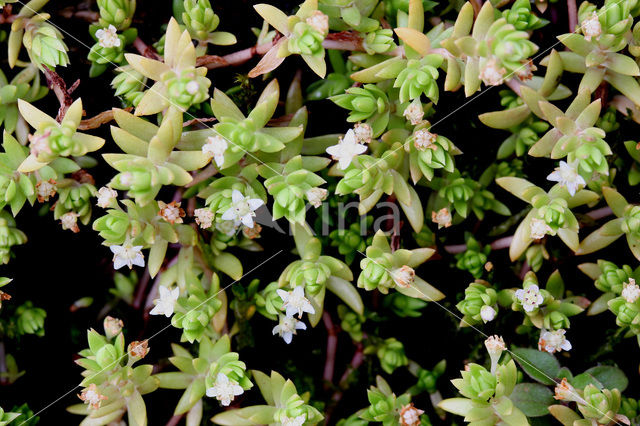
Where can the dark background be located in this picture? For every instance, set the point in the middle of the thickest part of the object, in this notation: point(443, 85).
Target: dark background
point(56, 267)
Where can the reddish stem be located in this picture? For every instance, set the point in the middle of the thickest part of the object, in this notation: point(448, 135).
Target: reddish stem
point(572, 11)
point(173, 421)
point(332, 346)
point(142, 287)
point(145, 50)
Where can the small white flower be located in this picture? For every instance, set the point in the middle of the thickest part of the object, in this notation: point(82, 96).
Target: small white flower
point(295, 302)
point(287, 327)
point(567, 176)
point(204, 217)
point(495, 345)
point(69, 221)
point(171, 212)
point(108, 37)
point(591, 27)
point(127, 254)
point(424, 139)
point(414, 112)
point(316, 196)
point(492, 74)
point(530, 297)
point(224, 390)
point(553, 341)
point(346, 150)
point(319, 21)
point(363, 132)
point(46, 189)
point(105, 196)
point(166, 302)
point(410, 415)
point(631, 291)
point(242, 209)
point(442, 218)
point(192, 87)
point(539, 228)
point(403, 276)
point(215, 148)
point(92, 396)
point(487, 313)
point(294, 421)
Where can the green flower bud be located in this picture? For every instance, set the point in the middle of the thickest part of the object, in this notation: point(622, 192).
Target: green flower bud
point(374, 275)
point(194, 313)
point(477, 383)
point(512, 168)
point(268, 302)
point(75, 196)
point(378, 41)
point(555, 321)
point(349, 241)
point(608, 121)
point(476, 296)
point(418, 77)
point(351, 322)
point(305, 40)
point(363, 102)
point(521, 18)
point(30, 320)
point(129, 84)
point(600, 405)
point(629, 407)
point(612, 278)
point(118, 13)
point(554, 213)
point(9, 236)
point(510, 46)
point(472, 261)
point(626, 313)
point(429, 152)
point(591, 157)
point(44, 45)
point(106, 55)
point(536, 255)
point(189, 88)
point(404, 306)
point(199, 18)
point(391, 355)
point(508, 99)
point(333, 84)
point(113, 226)
point(631, 223)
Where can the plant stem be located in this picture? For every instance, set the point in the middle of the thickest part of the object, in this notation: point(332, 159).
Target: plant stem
point(142, 287)
point(572, 11)
point(173, 421)
point(332, 345)
point(145, 50)
point(600, 213)
point(59, 87)
point(3, 364)
point(499, 244)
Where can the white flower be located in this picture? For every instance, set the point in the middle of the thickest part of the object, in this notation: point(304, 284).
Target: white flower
point(127, 254)
point(346, 150)
point(487, 313)
point(171, 212)
point(530, 297)
point(287, 327)
point(295, 302)
point(424, 139)
point(410, 415)
point(553, 341)
point(294, 421)
point(591, 27)
point(539, 228)
point(631, 291)
point(204, 217)
point(108, 37)
point(495, 345)
point(215, 148)
point(363, 132)
point(564, 391)
point(414, 112)
point(166, 302)
point(316, 196)
point(91, 396)
point(403, 276)
point(319, 21)
point(224, 390)
point(46, 189)
point(242, 209)
point(568, 177)
point(106, 196)
point(491, 74)
point(442, 218)
point(69, 221)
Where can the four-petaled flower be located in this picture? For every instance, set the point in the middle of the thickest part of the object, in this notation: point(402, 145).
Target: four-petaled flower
point(591, 27)
point(242, 209)
point(442, 218)
point(553, 341)
point(567, 176)
point(287, 327)
point(224, 390)
point(127, 254)
point(530, 297)
point(46, 189)
point(487, 313)
point(410, 415)
point(106, 196)
point(108, 37)
point(630, 291)
point(215, 148)
point(403, 276)
point(91, 396)
point(316, 196)
point(171, 212)
point(166, 302)
point(363, 132)
point(539, 228)
point(346, 150)
point(294, 302)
